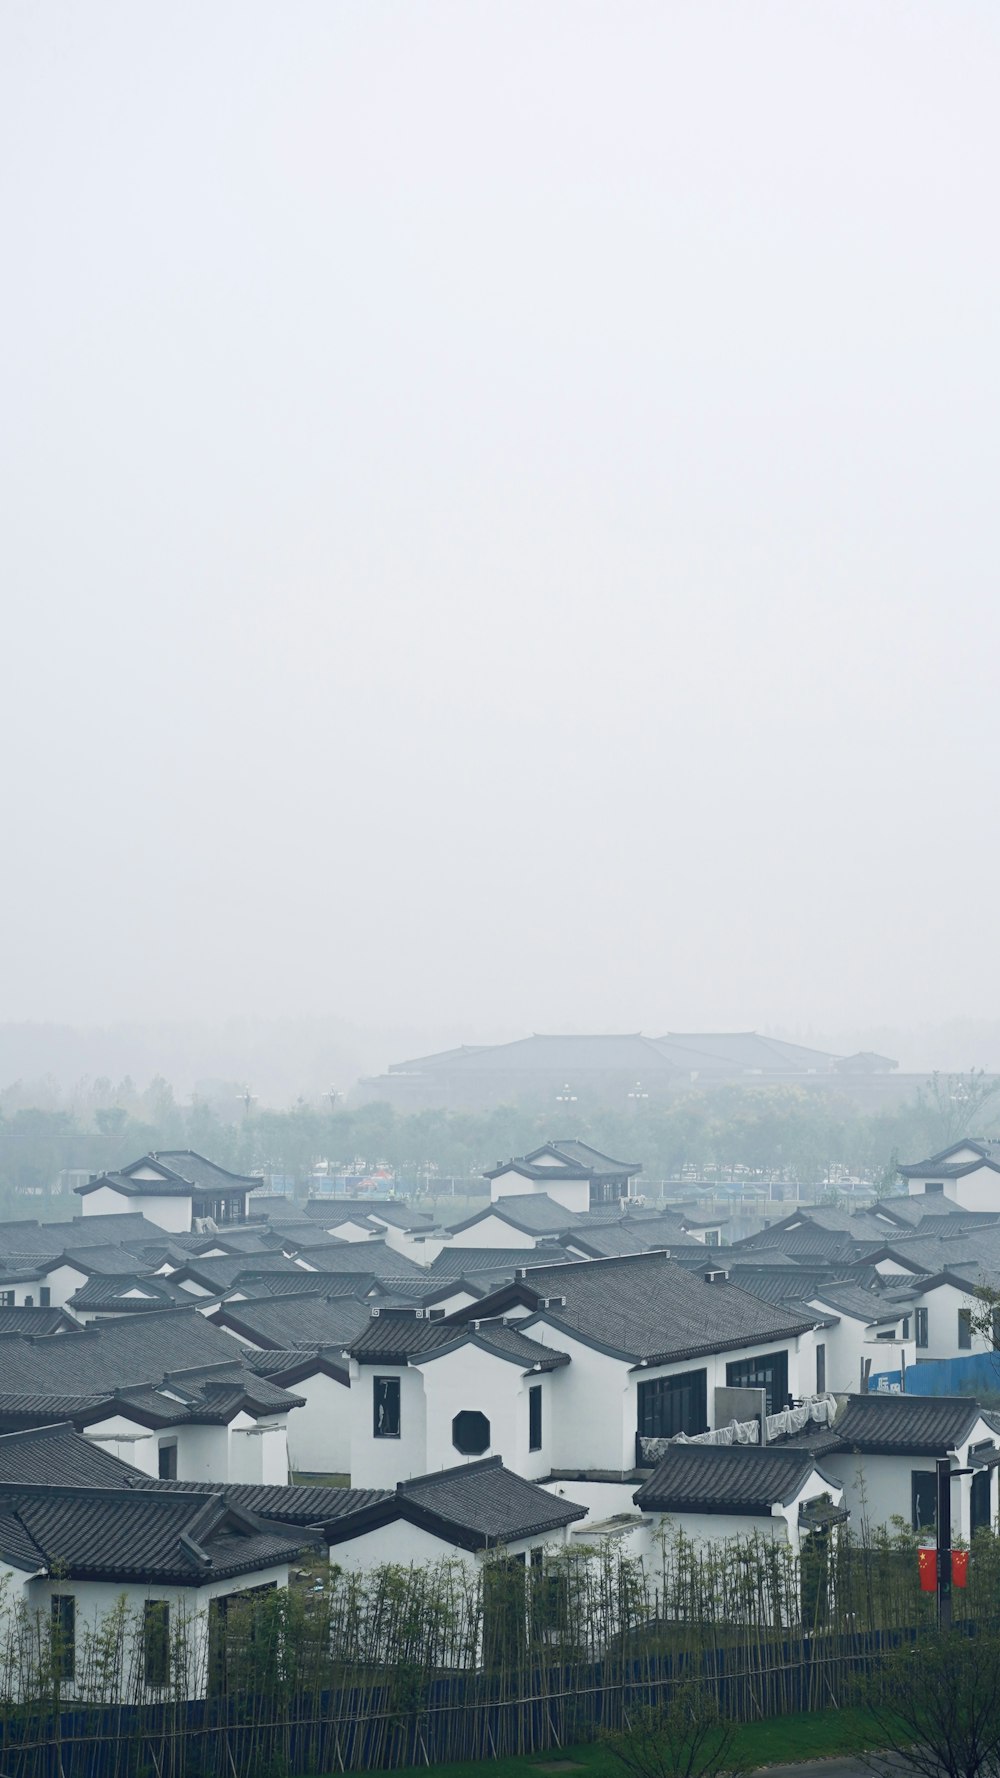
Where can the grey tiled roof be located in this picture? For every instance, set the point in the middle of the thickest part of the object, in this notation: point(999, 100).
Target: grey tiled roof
point(294, 1505)
point(206, 1175)
point(21, 1321)
point(296, 1321)
point(491, 1501)
point(451, 1262)
point(58, 1456)
point(80, 1231)
point(391, 1336)
point(475, 1506)
point(904, 1423)
point(180, 1535)
point(533, 1212)
point(649, 1307)
point(504, 1341)
point(136, 1293)
point(726, 1479)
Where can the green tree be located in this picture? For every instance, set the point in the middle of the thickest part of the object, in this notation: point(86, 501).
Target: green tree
point(936, 1707)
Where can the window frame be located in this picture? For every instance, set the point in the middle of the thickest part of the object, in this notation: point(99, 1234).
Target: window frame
point(921, 1329)
point(62, 1607)
point(923, 1482)
point(661, 1407)
point(535, 1422)
point(392, 1387)
point(156, 1642)
point(764, 1370)
point(965, 1330)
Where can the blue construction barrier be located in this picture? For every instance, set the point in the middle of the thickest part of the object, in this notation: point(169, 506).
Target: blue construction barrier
point(977, 1374)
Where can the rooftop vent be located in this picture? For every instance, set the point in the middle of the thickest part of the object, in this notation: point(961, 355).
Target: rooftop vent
point(716, 1277)
point(553, 1302)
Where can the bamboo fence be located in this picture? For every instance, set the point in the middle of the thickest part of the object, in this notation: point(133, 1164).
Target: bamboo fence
point(414, 1666)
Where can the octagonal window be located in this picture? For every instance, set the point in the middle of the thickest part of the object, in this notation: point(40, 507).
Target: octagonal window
point(470, 1433)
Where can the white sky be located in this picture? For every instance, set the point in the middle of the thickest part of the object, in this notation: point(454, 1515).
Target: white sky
point(499, 511)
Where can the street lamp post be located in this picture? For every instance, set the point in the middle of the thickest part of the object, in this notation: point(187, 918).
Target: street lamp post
point(945, 1476)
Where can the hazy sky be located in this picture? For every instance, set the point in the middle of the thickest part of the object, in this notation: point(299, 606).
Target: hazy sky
point(500, 511)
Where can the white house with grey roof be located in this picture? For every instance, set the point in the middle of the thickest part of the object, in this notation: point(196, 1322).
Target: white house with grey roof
point(884, 1448)
point(177, 1189)
point(966, 1172)
point(571, 1370)
point(571, 1173)
point(72, 1556)
point(708, 1493)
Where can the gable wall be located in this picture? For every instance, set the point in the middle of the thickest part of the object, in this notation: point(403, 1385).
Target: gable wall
point(172, 1214)
point(382, 1462)
point(319, 1434)
point(572, 1194)
point(492, 1231)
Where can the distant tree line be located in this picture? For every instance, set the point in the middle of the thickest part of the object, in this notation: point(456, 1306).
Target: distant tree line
point(774, 1133)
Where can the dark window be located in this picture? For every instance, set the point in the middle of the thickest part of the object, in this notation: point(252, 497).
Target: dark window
point(45, 1296)
point(820, 1370)
point(921, 1318)
point(385, 1400)
point(470, 1432)
point(167, 1461)
point(668, 1405)
point(965, 1330)
point(156, 1642)
point(535, 1417)
point(769, 1373)
point(63, 1635)
point(923, 1494)
point(906, 1327)
point(712, 1238)
point(6, 1299)
point(934, 1185)
point(995, 1329)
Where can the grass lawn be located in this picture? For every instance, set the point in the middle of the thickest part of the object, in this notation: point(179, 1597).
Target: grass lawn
point(817, 1734)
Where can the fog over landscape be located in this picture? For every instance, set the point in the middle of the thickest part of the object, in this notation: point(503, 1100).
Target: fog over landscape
point(498, 531)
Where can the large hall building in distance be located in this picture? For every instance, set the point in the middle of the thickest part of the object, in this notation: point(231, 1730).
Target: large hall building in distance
point(611, 1069)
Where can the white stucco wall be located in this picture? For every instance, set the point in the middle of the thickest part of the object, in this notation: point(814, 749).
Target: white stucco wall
point(572, 1194)
point(943, 1304)
point(595, 1406)
point(319, 1434)
point(382, 1462)
point(173, 1214)
point(470, 1380)
point(879, 1488)
point(408, 1545)
point(96, 1600)
point(63, 1282)
point(851, 1341)
point(258, 1450)
point(492, 1231)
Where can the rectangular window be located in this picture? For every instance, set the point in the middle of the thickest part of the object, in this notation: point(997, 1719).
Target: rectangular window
point(535, 1417)
point(45, 1296)
point(923, 1495)
point(6, 1299)
point(167, 1461)
point(965, 1330)
point(669, 1405)
point(156, 1642)
point(906, 1327)
point(385, 1405)
point(63, 1635)
point(820, 1370)
point(712, 1238)
point(769, 1373)
point(995, 1329)
point(921, 1318)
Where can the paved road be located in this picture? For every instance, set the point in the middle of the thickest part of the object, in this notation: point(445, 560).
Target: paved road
point(821, 1768)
